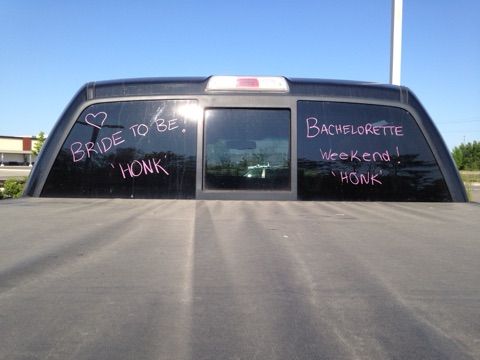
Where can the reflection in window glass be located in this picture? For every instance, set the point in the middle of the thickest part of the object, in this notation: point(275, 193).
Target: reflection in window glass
point(247, 149)
point(364, 152)
point(136, 149)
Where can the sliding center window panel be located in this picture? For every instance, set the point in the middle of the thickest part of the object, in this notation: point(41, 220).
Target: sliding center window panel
point(247, 149)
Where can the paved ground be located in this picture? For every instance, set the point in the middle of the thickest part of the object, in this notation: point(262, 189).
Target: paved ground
point(14, 171)
point(476, 193)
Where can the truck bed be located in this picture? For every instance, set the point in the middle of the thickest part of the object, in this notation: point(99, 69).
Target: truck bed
point(193, 279)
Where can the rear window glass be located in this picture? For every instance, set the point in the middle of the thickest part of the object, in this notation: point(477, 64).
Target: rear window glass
point(247, 149)
point(364, 152)
point(138, 149)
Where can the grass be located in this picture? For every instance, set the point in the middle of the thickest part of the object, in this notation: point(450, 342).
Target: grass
point(468, 178)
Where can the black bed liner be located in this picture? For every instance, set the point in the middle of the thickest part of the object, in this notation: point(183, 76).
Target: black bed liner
point(169, 279)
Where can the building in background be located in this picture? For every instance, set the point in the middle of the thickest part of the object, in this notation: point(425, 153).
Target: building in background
point(17, 150)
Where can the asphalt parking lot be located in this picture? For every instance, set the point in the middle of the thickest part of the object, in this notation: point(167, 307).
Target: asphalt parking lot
point(475, 193)
point(14, 171)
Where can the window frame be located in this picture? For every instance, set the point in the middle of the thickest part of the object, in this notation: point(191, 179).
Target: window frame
point(255, 102)
point(86, 98)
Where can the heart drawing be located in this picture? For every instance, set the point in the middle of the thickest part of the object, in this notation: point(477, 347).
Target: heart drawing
point(96, 120)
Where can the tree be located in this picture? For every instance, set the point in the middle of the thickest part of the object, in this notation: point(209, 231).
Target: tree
point(13, 188)
point(39, 143)
point(467, 156)
point(457, 155)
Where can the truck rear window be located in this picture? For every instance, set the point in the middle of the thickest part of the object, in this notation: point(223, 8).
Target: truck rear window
point(364, 152)
point(133, 149)
point(148, 149)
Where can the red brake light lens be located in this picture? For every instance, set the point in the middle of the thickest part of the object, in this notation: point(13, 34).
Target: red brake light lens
point(247, 83)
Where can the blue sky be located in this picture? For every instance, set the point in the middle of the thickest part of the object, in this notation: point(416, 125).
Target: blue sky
point(51, 48)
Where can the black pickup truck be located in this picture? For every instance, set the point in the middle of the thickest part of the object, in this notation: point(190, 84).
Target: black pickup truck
point(241, 218)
